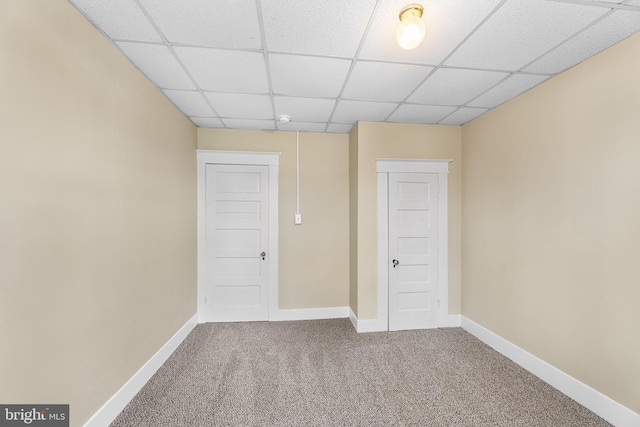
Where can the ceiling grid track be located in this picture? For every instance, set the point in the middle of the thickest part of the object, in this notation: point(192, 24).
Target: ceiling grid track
point(238, 64)
point(520, 71)
point(265, 53)
point(621, 6)
point(570, 38)
point(467, 37)
point(170, 47)
point(353, 63)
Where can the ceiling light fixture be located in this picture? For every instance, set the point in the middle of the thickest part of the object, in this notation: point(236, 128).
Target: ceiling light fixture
point(411, 30)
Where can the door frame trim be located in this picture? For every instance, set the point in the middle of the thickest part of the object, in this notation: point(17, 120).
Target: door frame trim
point(270, 159)
point(383, 168)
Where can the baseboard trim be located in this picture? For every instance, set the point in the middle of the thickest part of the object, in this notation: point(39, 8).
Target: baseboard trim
point(375, 325)
point(366, 325)
point(453, 321)
point(312, 313)
point(598, 403)
point(353, 318)
point(110, 410)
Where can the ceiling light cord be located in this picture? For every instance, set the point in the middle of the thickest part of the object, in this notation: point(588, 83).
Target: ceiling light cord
point(297, 172)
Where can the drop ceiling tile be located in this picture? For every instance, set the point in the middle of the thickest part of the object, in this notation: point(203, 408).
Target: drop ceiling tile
point(249, 124)
point(158, 64)
point(339, 128)
point(207, 122)
point(119, 19)
point(304, 109)
point(447, 23)
point(190, 103)
point(353, 111)
point(301, 126)
point(520, 31)
point(225, 70)
point(220, 23)
point(610, 30)
point(241, 105)
point(463, 115)
point(307, 76)
point(328, 27)
point(504, 91)
point(384, 82)
point(428, 114)
point(451, 86)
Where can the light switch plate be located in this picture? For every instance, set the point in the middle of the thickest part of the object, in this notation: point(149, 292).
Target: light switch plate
point(297, 219)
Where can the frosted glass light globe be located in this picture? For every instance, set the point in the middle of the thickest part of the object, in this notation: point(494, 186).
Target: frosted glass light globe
point(411, 31)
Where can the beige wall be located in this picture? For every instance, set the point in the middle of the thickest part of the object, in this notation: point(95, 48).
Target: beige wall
point(98, 217)
point(390, 140)
point(314, 256)
point(98, 212)
point(551, 224)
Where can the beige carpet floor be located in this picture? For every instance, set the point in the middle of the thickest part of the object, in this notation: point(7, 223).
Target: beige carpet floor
point(323, 373)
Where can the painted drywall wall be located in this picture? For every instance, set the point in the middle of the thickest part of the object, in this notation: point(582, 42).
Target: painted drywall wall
point(391, 140)
point(314, 256)
point(353, 220)
point(551, 222)
point(98, 212)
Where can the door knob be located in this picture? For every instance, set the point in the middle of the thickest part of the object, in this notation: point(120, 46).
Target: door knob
point(395, 262)
point(263, 254)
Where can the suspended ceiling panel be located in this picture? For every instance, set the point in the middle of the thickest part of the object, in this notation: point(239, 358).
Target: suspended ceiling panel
point(308, 76)
point(240, 63)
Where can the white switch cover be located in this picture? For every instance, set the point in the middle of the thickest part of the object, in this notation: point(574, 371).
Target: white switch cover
point(298, 219)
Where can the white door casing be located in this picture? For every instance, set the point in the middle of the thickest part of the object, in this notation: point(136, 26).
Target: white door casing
point(237, 239)
point(413, 244)
point(237, 213)
point(384, 168)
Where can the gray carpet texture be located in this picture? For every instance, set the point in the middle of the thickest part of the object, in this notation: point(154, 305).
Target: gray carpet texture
point(323, 373)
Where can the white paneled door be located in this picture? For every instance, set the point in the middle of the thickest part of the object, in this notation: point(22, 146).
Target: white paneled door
point(413, 251)
point(237, 242)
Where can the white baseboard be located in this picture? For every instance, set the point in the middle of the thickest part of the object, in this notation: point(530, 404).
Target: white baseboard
point(366, 325)
point(312, 313)
point(353, 318)
point(453, 321)
point(110, 410)
point(598, 403)
point(375, 325)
